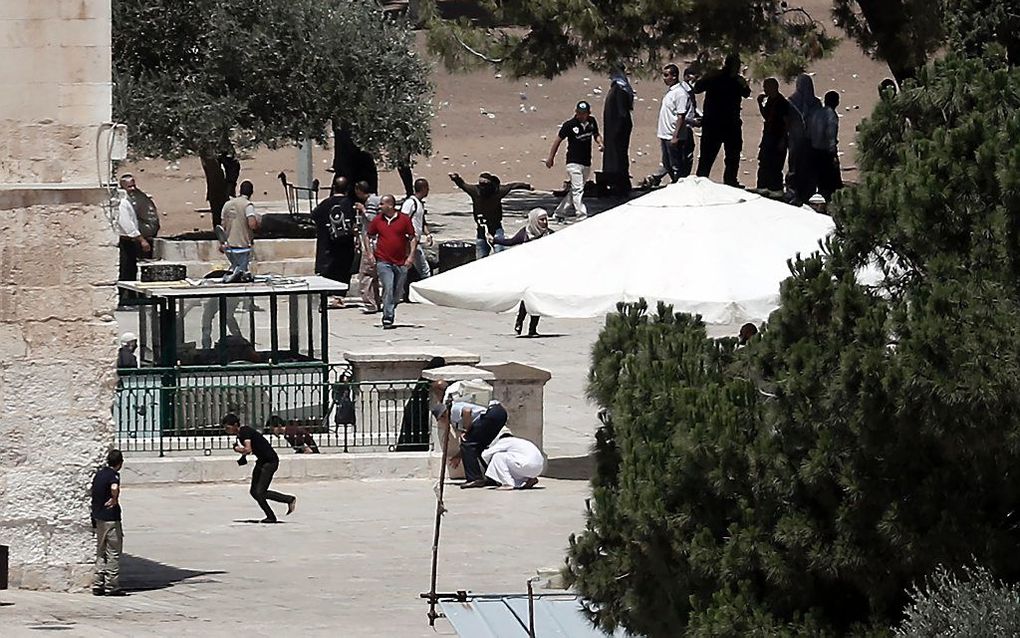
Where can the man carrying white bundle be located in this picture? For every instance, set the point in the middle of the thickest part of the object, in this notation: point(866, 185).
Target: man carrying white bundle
point(513, 462)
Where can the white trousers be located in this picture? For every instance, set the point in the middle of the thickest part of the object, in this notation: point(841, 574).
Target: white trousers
point(510, 472)
point(574, 199)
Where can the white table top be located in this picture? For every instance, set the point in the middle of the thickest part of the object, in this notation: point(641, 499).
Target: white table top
point(213, 288)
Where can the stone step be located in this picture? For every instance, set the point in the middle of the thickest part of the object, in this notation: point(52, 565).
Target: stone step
point(181, 468)
point(288, 267)
point(267, 250)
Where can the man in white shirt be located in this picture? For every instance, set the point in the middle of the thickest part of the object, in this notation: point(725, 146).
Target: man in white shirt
point(414, 207)
point(132, 245)
point(513, 462)
point(676, 139)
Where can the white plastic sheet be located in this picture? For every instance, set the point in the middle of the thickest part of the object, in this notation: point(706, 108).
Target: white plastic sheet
point(703, 247)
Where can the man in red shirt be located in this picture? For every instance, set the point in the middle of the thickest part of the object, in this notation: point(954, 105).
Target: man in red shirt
point(395, 243)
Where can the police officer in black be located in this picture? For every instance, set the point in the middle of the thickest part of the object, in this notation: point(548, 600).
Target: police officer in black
point(724, 90)
point(336, 234)
point(251, 441)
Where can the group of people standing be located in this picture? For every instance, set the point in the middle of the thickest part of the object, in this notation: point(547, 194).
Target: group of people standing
point(390, 241)
point(801, 130)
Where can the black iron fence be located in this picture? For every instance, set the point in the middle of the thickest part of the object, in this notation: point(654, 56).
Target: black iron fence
point(305, 406)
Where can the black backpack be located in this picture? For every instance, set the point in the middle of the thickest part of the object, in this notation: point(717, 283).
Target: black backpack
point(342, 221)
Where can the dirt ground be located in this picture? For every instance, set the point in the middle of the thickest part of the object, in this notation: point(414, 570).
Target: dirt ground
point(485, 122)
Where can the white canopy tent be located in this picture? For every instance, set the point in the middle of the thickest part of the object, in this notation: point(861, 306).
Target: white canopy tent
point(705, 248)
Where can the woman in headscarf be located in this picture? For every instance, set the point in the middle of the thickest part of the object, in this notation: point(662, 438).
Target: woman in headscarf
point(537, 227)
point(805, 103)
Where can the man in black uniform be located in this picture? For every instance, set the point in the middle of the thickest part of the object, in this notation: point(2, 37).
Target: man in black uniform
point(579, 132)
point(336, 234)
point(720, 125)
point(250, 441)
point(106, 521)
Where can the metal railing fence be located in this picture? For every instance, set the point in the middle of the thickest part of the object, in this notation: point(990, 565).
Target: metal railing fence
point(164, 410)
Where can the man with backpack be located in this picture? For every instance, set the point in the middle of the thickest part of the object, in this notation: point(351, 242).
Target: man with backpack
point(336, 231)
point(414, 207)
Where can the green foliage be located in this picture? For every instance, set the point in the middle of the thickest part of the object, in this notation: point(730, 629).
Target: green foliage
point(556, 35)
point(798, 486)
point(977, 606)
point(903, 33)
point(210, 76)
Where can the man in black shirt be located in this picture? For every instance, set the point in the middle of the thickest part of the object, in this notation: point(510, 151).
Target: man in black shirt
point(336, 234)
point(250, 441)
point(106, 521)
point(487, 208)
point(720, 126)
point(579, 132)
point(775, 110)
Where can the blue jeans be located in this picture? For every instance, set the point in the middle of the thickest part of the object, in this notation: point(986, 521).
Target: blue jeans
point(239, 258)
point(392, 279)
point(482, 248)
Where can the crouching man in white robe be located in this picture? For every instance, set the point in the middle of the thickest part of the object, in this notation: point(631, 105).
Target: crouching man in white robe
point(513, 462)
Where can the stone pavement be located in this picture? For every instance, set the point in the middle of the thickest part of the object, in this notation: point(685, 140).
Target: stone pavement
point(349, 563)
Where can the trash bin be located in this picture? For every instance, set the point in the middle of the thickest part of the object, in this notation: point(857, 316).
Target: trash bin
point(455, 253)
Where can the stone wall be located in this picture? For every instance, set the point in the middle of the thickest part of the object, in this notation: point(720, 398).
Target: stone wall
point(57, 348)
point(55, 89)
point(58, 264)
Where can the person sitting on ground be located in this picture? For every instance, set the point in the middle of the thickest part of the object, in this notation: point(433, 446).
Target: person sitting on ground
point(487, 208)
point(513, 463)
point(299, 438)
point(537, 227)
point(126, 355)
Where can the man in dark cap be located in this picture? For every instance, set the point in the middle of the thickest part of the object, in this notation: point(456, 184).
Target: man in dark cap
point(579, 131)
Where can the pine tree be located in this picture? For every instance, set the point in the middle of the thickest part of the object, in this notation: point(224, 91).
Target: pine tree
point(801, 485)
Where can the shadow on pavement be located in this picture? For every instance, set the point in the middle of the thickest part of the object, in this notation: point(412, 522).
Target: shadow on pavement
point(142, 574)
point(571, 468)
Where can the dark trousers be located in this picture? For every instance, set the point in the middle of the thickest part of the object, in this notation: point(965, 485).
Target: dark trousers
point(826, 166)
point(522, 312)
point(261, 477)
point(728, 137)
point(771, 159)
point(129, 254)
point(482, 434)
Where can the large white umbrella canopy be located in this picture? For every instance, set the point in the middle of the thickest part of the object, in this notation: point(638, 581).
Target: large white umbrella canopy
point(703, 247)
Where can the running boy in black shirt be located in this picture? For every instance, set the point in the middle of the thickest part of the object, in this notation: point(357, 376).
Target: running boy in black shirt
point(250, 441)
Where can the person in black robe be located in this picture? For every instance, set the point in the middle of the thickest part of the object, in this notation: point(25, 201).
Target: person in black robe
point(618, 126)
point(414, 427)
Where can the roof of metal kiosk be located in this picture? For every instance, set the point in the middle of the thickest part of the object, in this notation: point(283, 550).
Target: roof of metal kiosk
point(214, 288)
point(506, 616)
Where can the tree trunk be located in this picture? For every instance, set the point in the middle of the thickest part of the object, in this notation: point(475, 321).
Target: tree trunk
point(216, 189)
point(891, 28)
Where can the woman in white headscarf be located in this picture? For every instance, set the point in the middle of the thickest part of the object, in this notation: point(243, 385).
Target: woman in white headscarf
point(537, 227)
point(806, 103)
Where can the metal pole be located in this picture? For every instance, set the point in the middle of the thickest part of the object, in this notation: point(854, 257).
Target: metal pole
point(440, 509)
point(304, 164)
point(531, 608)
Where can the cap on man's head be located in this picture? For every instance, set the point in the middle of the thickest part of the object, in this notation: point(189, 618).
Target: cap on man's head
point(584, 106)
point(127, 338)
